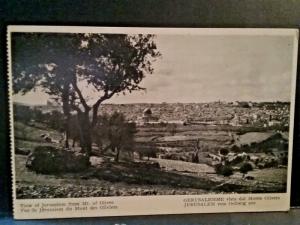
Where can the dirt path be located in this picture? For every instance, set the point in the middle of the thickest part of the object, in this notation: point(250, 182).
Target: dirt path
point(181, 166)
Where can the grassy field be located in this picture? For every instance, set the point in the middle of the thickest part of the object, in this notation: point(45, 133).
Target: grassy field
point(116, 180)
point(32, 133)
point(256, 137)
point(184, 167)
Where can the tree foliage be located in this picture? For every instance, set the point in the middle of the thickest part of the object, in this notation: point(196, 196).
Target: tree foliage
point(60, 64)
point(246, 167)
point(110, 63)
point(224, 170)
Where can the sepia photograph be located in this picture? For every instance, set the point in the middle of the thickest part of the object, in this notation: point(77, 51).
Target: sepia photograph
point(151, 112)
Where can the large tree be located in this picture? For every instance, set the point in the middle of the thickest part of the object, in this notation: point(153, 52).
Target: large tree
point(46, 61)
point(61, 64)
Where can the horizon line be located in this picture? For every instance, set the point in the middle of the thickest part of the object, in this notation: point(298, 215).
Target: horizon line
point(217, 101)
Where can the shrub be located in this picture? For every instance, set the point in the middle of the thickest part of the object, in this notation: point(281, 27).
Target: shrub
point(171, 128)
point(224, 170)
point(267, 150)
point(284, 160)
point(235, 148)
point(224, 151)
point(246, 167)
point(271, 163)
point(150, 151)
point(50, 160)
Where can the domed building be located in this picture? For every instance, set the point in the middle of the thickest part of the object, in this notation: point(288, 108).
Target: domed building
point(148, 117)
point(147, 112)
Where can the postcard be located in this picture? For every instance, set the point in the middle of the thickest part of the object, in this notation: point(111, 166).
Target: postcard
point(113, 121)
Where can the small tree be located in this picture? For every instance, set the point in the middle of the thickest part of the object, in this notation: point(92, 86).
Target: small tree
point(22, 132)
point(101, 132)
point(38, 116)
point(22, 113)
point(245, 168)
point(149, 151)
point(235, 149)
point(224, 170)
point(56, 120)
point(74, 129)
point(171, 128)
point(118, 132)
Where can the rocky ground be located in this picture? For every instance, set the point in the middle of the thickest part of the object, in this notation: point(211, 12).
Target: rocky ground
point(74, 191)
point(119, 180)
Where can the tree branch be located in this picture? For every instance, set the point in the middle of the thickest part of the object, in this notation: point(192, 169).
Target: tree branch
point(75, 107)
point(97, 104)
point(81, 98)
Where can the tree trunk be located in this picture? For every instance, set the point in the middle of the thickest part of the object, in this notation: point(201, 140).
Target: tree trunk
point(85, 131)
point(67, 140)
point(74, 140)
point(66, 111)
point(117, 154)
point(67, 131)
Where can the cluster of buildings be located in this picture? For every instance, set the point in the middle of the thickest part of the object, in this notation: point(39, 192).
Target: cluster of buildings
point(268, 114)
point(215, 113)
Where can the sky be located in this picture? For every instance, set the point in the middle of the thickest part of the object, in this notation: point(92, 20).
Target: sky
point(197, 68)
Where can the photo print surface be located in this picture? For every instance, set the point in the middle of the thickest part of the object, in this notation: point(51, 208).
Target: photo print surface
point(137, 121)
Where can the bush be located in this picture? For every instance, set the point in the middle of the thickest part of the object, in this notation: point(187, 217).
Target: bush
point(235, 149)
point(271, 163)
point(245, 168)
point(284, 160)
point(50, 160)
point(171, 128)
point(224, 151)
point(267, 151)
point(144, 151)
point(224, 170)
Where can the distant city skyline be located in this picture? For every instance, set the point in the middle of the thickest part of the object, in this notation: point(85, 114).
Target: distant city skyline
point(195, 69)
